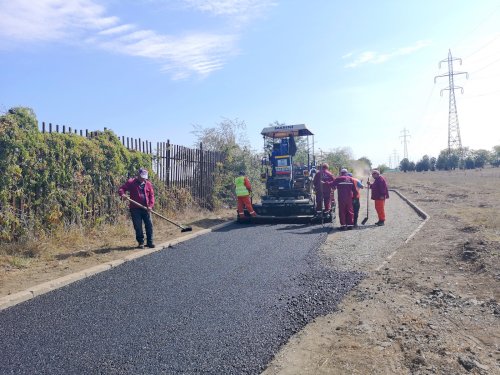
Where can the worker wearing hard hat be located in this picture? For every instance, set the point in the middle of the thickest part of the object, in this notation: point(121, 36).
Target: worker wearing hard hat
point(243, 191)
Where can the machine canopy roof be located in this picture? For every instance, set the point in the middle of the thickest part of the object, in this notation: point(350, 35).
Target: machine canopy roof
point(282, 131)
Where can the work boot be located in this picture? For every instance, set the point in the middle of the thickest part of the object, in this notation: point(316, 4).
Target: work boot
point(380, 223)
point(151, 245)
point(140, 245)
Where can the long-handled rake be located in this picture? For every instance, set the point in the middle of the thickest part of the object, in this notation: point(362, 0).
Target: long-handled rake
point(367, 200)
point(183, 228)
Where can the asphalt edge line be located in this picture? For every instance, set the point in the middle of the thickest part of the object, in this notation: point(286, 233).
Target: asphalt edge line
point(48, 286)
point(420, 213)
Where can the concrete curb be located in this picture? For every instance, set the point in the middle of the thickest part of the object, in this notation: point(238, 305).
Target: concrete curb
point(420, 213)
point(37, 290)
point(418, 210)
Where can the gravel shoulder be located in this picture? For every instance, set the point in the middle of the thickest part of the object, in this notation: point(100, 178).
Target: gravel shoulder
point(433, 307)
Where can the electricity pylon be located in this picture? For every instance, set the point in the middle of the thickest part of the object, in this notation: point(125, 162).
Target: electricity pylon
point(406, 134)
point(454, 140)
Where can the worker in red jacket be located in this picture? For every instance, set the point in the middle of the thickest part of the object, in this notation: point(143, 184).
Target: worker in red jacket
point(322, 185)
point(346, 190)
point(380, 193)
point(243, 191)
point(140, 190)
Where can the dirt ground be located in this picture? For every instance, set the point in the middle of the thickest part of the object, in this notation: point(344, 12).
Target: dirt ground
point(433, 308)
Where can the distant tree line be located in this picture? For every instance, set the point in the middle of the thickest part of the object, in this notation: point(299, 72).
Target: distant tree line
point(450, 160)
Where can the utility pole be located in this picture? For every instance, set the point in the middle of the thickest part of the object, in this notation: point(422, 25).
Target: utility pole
point(395, 158)
point(406, 134)
point(390, 161)
point(454, 140)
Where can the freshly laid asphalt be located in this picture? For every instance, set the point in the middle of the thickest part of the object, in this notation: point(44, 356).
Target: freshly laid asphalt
point(222, 303)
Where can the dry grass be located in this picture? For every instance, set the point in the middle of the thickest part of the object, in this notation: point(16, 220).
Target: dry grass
point(105, 238)
point(472, 197)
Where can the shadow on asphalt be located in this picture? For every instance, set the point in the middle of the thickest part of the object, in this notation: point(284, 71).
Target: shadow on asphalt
point(315, 228)
point(87, 253)
point(206, 223)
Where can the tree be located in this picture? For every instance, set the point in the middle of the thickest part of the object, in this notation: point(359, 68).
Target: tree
point(337, 158)
point(495, 156)
point(365, 160)
point(404, 165)
point(382, 168)
point(230, 138)
point(469, 163)
point(432, 162)
point(302, 151)
point(481, 157)
point(424, 164)
point(447, 160)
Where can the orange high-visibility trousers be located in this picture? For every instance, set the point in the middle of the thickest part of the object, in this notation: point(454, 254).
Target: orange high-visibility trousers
point(245, 202)
point(379, 207)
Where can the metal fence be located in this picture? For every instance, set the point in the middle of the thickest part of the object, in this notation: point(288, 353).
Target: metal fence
point(177, 166)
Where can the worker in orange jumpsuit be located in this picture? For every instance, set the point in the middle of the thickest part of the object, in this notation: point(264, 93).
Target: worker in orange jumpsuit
point(243, 191)
point(380, 193)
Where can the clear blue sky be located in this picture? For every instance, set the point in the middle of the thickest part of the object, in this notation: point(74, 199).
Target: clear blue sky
point(357, 72)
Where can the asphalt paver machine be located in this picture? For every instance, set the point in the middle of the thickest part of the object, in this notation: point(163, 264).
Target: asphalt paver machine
point(287, 175)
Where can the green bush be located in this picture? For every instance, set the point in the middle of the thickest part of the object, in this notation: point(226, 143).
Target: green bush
point(51, 181)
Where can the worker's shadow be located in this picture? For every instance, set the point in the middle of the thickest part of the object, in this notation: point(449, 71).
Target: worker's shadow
point(366, 226)
point(88, 253)
point(313, 228)
point(110, 249)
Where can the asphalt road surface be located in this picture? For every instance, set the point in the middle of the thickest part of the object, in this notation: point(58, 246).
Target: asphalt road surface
point(222, 303)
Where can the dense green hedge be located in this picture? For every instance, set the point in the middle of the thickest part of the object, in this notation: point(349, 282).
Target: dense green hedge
point(52, 180)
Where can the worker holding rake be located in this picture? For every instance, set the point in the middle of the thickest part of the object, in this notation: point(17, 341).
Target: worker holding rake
point(379, 194)
point(141, 191)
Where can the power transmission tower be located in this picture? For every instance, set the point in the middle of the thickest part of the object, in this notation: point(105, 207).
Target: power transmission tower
point(454, 140)
point(406, 134)
point(395, 158)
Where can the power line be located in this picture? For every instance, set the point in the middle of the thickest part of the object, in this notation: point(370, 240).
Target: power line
point(469, 33)
point(483, 46)
point(487, 65)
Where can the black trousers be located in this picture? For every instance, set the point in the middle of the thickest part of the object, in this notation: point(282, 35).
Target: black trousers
point(356, 205)
point(140, 215)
